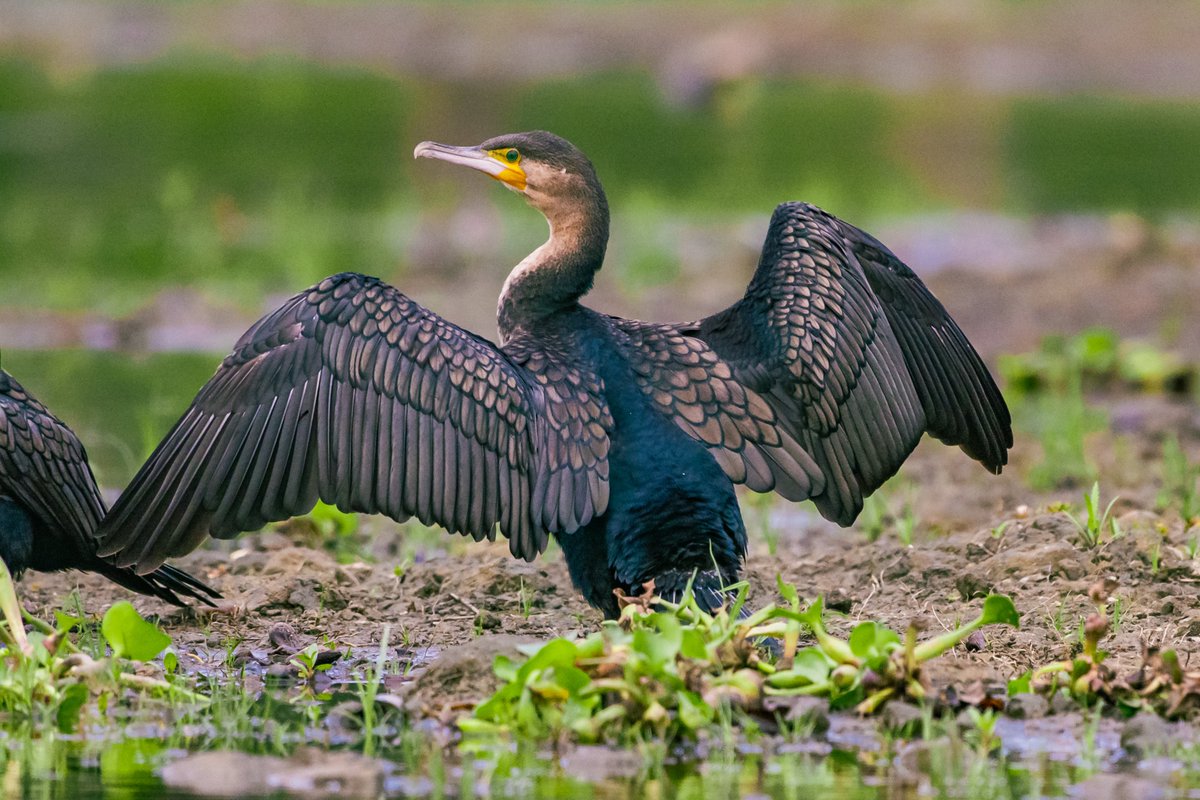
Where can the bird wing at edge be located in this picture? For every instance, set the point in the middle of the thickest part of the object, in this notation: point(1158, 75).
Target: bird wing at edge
point(354, 394)
point(851, 356)
point(45, 468)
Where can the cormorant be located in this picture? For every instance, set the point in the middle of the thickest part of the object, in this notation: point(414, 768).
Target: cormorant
point(620, 438)
point(50, 507)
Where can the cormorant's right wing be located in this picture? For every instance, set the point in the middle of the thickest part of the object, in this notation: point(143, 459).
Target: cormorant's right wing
point(353, 393)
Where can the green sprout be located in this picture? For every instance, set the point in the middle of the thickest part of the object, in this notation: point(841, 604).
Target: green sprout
point(1091, 529)
point(307, 663)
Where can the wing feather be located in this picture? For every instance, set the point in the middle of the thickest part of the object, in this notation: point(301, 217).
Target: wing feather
point(44, 469)
point(840, 356)
point(354, 394)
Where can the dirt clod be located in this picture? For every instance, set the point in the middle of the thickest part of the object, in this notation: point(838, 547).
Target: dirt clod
point(1027, 706)
point(460, 676)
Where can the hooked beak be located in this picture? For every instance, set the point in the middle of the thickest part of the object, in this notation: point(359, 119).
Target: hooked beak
point(509, 174)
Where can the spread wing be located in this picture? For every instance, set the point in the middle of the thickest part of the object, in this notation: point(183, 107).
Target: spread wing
point(839, 348)
point(354, 394)
point(44, 467)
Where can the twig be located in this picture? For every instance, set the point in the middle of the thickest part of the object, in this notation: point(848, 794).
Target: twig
point(473, 609)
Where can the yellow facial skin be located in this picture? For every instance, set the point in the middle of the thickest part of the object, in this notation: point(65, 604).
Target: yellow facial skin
point(512, 174)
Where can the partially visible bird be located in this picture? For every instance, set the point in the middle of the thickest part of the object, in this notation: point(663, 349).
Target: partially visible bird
point(50, 507)
point(620, 438)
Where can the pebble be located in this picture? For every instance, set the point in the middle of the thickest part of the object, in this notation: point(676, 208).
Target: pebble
point(1027, 706)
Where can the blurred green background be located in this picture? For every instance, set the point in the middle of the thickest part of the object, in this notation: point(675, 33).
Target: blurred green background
point(170, 171)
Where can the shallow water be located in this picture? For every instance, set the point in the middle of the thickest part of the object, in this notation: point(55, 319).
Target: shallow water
point(130, 768)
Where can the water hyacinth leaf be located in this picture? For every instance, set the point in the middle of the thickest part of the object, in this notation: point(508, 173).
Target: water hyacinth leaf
point(528, 719)
point(872, 642)
point(662, 646)
point(694, 713)
point(504, 668)
point(691, 645)
point(66, 718)
point(591, 647)
point(998, 609)
point(129, 635)
point(573, 679)
point(556, 652)
point(812, 664)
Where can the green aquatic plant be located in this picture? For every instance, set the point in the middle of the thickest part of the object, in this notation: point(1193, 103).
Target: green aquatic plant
point(46, 679)
point(668, 671)
point(1160, 684)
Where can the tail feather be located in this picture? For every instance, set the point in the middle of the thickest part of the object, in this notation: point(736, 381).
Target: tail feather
point(708, 587)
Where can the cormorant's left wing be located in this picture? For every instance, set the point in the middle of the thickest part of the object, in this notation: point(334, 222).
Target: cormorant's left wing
point(850, 354)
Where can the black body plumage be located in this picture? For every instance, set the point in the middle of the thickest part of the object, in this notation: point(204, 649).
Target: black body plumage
point(622, 439)
point(50, 507)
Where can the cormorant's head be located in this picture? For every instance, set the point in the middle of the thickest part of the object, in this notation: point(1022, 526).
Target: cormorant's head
point(549, 171)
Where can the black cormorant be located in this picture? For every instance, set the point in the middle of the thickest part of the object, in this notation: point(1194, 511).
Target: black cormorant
point(50, 508)
point(620, 438)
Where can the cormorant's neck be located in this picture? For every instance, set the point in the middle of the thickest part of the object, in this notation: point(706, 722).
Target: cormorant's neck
point(558, 273)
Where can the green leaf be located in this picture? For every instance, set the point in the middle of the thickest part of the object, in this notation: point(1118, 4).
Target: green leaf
point(999, 609)
point(871, 641)
point(70, 706)
point(130, 636)
point(504, 667)
point(556, 652)
point(812, 664)
point(659, 648)
point(573, 679)
point(170, 662)
point(788, 591)
point(694, 713)
point(692, 645)
point(476, 726)
point(65, 623)
point(1022, 684)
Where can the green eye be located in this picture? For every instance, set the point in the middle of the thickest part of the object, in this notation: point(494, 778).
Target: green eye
point(511, 156)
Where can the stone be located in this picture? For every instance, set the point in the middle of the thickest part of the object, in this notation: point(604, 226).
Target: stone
point(1147, 734)
point(1027, 706)
point(901, 718)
